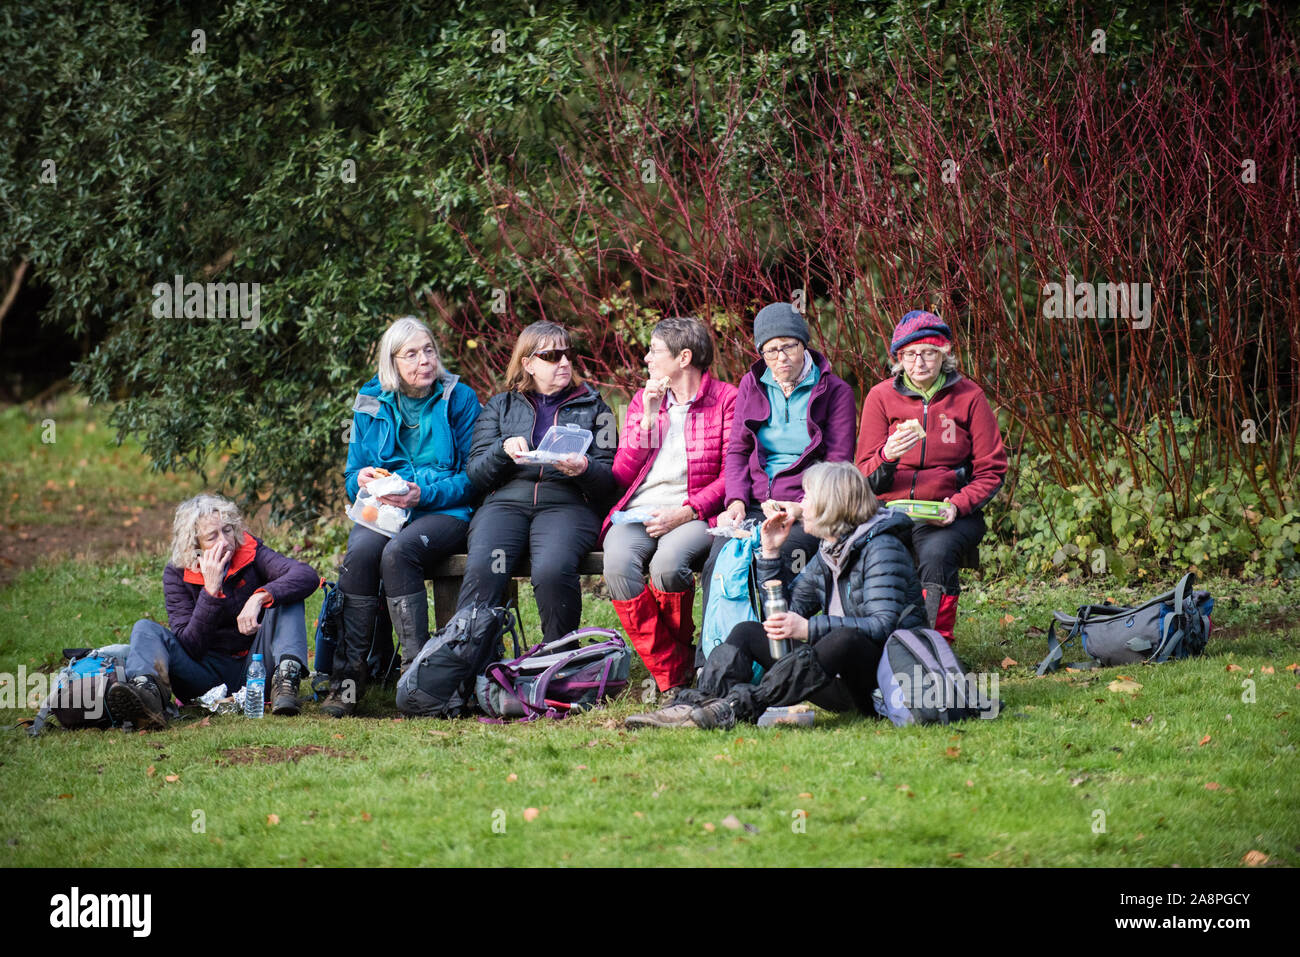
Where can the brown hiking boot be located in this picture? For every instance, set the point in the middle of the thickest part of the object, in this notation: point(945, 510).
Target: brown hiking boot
point(341, 702)
point(284, 688)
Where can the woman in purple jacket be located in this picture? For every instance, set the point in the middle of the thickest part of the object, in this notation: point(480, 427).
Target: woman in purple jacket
point(669, 468)
point(792, 411)
point(228, 596)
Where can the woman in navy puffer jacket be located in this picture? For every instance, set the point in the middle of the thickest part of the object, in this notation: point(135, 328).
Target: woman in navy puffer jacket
point(862, 581)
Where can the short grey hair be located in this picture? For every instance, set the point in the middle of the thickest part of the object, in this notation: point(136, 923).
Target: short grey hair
point(948, 365)
point(397, 335)
point(185, 528)
point(843, 500)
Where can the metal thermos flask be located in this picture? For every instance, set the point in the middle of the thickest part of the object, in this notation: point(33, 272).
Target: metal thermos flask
point(774, 604)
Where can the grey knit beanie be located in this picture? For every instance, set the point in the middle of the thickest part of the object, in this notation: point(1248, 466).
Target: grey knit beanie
point(778, 320)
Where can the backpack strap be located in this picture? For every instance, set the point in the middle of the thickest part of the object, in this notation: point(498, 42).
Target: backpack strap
point(1171, 638)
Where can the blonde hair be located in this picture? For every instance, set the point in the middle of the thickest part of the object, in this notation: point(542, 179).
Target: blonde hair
point(395, 336)
point(185, 527)
point(842, 498)
point(517, 378)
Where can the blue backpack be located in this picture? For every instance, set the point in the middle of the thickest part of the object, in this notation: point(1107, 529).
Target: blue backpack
point(732, 594)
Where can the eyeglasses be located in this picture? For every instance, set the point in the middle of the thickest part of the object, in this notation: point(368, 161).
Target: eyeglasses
point(929, 355)
point(771, 352)
point(413, 355)
point(554, 356)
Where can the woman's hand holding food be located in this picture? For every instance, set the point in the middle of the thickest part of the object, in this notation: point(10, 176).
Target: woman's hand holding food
point(772, 507)
point(651, 398)
point(515, 446)
point(903, 438)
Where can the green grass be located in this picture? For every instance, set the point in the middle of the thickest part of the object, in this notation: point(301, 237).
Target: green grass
point(63, 466)
point(1023, 790)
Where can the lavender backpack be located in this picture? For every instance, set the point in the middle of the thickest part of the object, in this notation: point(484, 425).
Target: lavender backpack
point(555, 678)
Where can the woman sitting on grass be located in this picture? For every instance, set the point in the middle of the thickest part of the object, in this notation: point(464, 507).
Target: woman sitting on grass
point(228, 597)
point(863, 583)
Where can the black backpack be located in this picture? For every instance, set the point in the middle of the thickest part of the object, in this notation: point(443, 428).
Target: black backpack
point(1173, 625)
point(440, 682)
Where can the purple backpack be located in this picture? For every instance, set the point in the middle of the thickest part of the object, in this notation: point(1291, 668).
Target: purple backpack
point(555, 678)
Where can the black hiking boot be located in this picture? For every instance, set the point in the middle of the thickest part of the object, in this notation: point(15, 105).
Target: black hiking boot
point(139, 701)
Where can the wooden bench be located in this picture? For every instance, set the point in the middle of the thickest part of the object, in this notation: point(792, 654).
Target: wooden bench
point(449, 574)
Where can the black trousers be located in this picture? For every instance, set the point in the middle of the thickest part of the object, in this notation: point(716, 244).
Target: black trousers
point(555, 537)
point(938, 550)
point(838, 672)
point(404, 561)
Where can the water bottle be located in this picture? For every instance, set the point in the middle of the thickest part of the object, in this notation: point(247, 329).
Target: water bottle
point(774, 604)
point(255, 689)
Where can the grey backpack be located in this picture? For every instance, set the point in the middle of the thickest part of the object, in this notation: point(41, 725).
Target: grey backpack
point(1173, 625)
point(921, 681)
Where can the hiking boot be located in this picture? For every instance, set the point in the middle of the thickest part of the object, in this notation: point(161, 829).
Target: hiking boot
point(673, 716)
point(341, 702)
point(715, 714)
point(284, 687)
point(138, 701)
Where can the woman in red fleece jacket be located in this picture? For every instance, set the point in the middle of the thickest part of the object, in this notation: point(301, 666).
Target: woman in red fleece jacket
point(960, 460)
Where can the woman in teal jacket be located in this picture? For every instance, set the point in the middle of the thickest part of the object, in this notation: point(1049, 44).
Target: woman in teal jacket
point(416, 420)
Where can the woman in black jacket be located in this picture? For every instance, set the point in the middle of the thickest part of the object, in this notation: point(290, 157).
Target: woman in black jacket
point(552, 512)
point(863, 582)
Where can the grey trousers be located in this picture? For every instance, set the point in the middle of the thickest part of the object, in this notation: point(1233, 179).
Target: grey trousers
point(672, 558)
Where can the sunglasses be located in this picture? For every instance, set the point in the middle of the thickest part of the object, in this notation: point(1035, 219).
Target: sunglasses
point(555, 355)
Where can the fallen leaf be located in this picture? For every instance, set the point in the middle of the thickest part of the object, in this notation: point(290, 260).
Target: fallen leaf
point(1254, 858)
point(1266, 669)
point(731, 823)
point(637, 814)
point(273, 819)
point(970, 783)
point(1006, 619)
point(512, 776)
point(441, 734)
point(172, 778)
point(1033, 631)
point(530, 813)
point(1008, 662)
point(339, 736)
point(149, 772)
point(64, 797)
point(708, 826)
point(952, 752)
point(958, 854)
point(1075, 782)
point(365, 815)
point(1213, 786)
point(1205, 740)
point(579, 767)
point(1124, 686)
point(805, 794)
point(1294, 666)
point(1233, 668)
